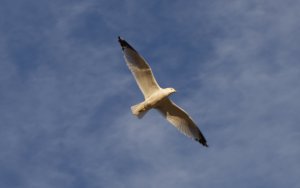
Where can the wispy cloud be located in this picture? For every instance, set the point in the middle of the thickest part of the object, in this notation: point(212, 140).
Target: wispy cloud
point(66, 92)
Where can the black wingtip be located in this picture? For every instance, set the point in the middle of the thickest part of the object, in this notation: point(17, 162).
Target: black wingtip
point(120, 39)
point(203, 142)
point(124, 44)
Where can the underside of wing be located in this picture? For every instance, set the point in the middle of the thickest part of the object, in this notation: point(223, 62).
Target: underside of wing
point(181, 120)
point(140, 69)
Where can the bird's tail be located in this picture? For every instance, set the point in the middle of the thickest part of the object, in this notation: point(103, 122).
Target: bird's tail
point(139, 110)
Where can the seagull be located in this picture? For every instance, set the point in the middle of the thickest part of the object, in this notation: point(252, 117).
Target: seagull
point(157, 97)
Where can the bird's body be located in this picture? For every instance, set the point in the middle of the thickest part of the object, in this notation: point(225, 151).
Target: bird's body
point(152, 101)
point(157, 97)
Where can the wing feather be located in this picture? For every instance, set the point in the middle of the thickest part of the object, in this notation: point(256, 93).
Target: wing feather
point(140, 69)
point(181, 120)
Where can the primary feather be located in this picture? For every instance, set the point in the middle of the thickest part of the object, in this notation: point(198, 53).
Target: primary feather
point(181, 120)
point(140, 69)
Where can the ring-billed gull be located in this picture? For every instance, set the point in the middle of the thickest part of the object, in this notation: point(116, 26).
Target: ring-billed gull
point(157, 97)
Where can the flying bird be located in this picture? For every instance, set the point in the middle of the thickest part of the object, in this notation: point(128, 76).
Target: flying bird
point(157, 97)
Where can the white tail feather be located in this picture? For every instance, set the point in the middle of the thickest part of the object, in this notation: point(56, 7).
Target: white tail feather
point(139, 110)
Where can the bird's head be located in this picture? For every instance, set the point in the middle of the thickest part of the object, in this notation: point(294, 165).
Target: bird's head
point(170, 90)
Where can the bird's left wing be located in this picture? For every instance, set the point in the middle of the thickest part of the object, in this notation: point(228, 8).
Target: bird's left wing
point(140, 69)
point(181, 120)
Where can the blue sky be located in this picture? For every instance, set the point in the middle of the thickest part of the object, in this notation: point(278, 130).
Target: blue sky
point(65, 93)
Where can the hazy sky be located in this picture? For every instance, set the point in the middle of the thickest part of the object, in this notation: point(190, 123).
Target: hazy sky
point(66, 92)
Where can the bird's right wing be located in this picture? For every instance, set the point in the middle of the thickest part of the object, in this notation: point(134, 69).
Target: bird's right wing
point(181, 120)
point(140, 69)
